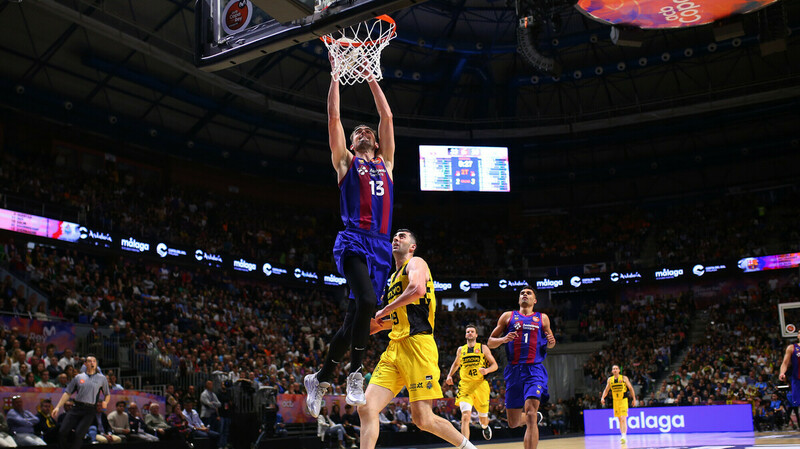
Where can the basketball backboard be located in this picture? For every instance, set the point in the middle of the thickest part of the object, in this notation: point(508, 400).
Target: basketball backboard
point(230, 32)
point(789, 315)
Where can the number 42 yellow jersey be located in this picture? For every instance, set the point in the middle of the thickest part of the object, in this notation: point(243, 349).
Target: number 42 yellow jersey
point(471, 360)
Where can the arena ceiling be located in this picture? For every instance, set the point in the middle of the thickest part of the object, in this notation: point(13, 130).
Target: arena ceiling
point(454, 71)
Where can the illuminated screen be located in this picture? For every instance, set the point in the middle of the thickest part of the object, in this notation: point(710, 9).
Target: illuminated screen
point(469, 169)
point(39, 226)
point(672, 420)
point(776, 262)
point(650, 14)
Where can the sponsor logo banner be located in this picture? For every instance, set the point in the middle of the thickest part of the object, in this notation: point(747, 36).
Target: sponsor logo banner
point(163, 251)
point(95, 238)
point(466, 286)
point(667, 273)
point(577, 281)
point(699, 270)
point(545, 283)
point(268, 269)
point(333, 279)
point(243, 265)
point(698, 418)
point(656, 14)
point(59, 333)
point(626, 278)
point(442, 286)
point(307, 276)
point(201, 256)
point(503, 283)
point(133, 245)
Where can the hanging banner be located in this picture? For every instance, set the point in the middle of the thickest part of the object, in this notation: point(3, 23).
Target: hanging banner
point(59, 333)
point(655, 14)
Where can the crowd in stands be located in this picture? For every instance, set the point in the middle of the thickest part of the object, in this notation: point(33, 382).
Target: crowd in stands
point(181, 423)
point(114, 198)
point(189, 321)
point(728, 227)
point(642, 333)
point(183, 325)
point(738, 358)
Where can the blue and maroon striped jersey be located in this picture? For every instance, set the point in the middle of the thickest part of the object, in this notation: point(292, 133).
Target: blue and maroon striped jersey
point(795, 369)
point(530, 346)
point(367, 196)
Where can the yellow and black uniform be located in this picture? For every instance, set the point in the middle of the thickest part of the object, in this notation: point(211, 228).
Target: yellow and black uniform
point(618, 390)
point(412, 358)
point(473, 388)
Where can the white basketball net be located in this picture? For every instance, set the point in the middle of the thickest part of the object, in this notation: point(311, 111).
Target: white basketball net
point(356, 50)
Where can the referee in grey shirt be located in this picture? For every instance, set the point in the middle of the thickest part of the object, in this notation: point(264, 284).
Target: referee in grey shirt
point(87, 386)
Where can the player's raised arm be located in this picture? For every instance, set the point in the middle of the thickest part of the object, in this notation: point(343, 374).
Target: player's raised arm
point(340, 157)
point(453, 367)
point(385, 127)
point(787, 360)
point(548, 333)
point(417, 270)
point(492, 366)
point(495, 338)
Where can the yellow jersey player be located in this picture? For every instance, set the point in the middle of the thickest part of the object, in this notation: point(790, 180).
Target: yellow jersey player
point(476, 361)
point(411, 359)
point(619, 385)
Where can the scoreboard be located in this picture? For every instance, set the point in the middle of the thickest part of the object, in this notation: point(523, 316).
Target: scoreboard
point(445, 168)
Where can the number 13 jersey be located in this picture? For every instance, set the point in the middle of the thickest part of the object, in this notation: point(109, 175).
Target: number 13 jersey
point(530, 346)
point(367, 196)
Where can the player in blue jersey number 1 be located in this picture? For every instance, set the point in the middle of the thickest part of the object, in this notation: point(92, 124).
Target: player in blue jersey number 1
point(363, 250)
point(527, 337)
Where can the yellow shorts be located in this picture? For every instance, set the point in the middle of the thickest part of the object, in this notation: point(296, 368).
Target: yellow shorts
point(475, 394)
point(621, 407)
point(412, 362)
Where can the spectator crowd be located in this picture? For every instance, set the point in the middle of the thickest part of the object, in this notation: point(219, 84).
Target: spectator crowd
point(184, 327)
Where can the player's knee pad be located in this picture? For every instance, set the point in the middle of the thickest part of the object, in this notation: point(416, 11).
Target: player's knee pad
point(483, 415)
point(465, 407)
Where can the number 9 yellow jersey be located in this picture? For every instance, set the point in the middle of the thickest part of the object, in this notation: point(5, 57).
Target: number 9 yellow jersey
point(415, 318)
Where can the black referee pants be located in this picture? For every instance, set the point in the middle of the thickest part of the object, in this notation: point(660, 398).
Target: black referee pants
point(79, 418)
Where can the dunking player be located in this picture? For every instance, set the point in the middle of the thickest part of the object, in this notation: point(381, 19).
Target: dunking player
point(791, 358)
point(527, 338)
point(362, 251)
point(618, 386)
point(411, 359)
point(476, 361)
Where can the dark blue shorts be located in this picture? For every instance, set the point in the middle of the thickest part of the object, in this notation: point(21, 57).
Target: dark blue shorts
point(525, 381)
point(375, 249)
point(794, 397)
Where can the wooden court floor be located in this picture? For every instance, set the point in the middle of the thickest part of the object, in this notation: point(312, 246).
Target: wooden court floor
point(737, 440)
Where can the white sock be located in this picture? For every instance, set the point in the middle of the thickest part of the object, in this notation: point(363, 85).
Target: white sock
point(465, 444)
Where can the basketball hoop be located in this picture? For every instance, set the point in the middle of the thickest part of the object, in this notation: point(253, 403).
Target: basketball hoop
point(356, 50)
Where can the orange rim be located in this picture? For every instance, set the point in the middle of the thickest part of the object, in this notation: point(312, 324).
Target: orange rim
point(329, 40)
